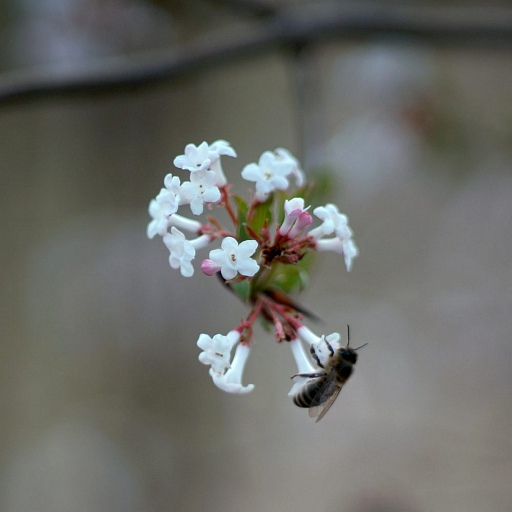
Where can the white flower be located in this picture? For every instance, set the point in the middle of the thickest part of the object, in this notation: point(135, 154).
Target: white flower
point(199, 190)
point(217, 149)
point(307, 335)
point(233, 257)
point(206, 158)
point(303, 361)
point(321, 349)
point(285, 156)
point(311, 338)
point(222, 148)
point(333, 222)
point(296, 217)
point(158, 226)
point(346, 247)
point(182, 251)
point(217, 350)
point(231, 381)
point(196, 158)
point(165, 204)
point(269, 174)
point(185, 223)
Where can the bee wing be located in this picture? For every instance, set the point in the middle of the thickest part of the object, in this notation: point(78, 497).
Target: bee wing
point(324, 398)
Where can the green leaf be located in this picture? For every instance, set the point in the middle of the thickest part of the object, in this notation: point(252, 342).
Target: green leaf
point(261, 213)
point(293, 277)
point(242, 289)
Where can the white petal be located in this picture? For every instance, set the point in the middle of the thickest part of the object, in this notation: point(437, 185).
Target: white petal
point(247, 248)
point(248, 267)
point(229, 244)
point(228, 272)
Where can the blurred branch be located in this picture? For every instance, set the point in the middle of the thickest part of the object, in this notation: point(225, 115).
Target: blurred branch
point(288, 30)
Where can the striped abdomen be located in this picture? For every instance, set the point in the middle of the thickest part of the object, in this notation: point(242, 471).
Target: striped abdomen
point(305, 395)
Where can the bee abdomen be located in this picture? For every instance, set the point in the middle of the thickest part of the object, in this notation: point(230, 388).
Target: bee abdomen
point(305, 396)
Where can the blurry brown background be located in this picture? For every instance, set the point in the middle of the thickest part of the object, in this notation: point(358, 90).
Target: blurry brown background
point(104, 405)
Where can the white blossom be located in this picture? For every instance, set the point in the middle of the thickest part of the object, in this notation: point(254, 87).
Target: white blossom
point(164, 205)
point(311, 338)
point(333, 222)
point(233, 257)
point(303, 361)
point(269, 174)
point(346, 247)
point(231, 381)
point(217, 350)
point(193, 226)
point(199, 190)
point(182, 251)
point(222, 148)
point(321, 349)
point(158, 226)
point(196, 158)
point(285, 156)
point(217, 149)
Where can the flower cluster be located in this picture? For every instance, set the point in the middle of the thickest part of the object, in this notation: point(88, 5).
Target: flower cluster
point(262, 257)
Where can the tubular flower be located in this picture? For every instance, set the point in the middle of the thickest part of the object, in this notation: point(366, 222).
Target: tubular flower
point(263, 252)
point(333, 222)
point(193, 226)
point(217, 149)
point(296, 219)
point(346, 247)
point(231, 381)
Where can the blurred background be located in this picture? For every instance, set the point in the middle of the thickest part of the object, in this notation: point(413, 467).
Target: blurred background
point(105, 406)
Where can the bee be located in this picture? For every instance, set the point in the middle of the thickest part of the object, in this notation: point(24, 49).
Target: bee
point(320, 393)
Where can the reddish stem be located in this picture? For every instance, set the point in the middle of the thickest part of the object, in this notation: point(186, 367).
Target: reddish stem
point(227, 204)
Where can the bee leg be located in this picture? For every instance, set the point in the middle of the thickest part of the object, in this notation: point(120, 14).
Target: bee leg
point(314, 355)
point(309, 375)
point(329, 346)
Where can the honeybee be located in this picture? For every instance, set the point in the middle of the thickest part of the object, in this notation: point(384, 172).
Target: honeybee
point(319, 394)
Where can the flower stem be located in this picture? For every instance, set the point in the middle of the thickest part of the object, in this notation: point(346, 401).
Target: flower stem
point(227, 204)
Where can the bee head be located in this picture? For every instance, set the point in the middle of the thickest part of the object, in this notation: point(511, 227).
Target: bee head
point(347, 354)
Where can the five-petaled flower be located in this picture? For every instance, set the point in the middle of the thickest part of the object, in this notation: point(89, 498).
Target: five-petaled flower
point(196, 158)
point(182, 251)
point(199, 190)
point(163, 206)
point(216, 351)
point(233, 258)
point(270, 173)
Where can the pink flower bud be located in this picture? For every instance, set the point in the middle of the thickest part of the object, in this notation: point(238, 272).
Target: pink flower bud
point(209, 268)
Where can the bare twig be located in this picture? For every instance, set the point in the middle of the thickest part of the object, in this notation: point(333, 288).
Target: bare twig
point(290, 30)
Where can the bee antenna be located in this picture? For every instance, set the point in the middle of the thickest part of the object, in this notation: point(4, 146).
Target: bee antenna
point(348, 335)
point(361, 346)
